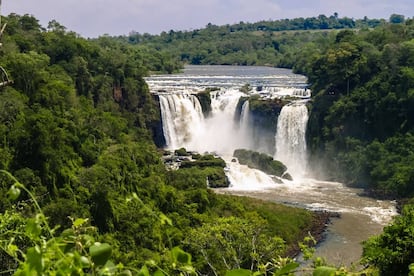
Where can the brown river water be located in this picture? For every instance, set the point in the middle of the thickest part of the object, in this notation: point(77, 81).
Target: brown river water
point(360, 217)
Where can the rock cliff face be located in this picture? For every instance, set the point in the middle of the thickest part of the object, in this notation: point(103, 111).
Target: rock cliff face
point(205, 100)
point(156, 127)
point(264, 114)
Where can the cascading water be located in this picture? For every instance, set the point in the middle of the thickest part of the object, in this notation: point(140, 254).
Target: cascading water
point(182, 116)
point(290, 138)
point(185, 126)
point(245, 125)
point(219, 132)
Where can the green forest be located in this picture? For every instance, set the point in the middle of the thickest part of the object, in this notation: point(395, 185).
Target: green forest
point(84, 190)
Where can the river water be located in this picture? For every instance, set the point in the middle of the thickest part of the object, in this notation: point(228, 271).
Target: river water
point(184, 125)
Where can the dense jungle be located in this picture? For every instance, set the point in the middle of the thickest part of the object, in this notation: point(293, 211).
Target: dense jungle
point(83, 186)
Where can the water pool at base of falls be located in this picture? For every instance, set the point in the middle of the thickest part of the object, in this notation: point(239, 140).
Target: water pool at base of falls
point(185, 125)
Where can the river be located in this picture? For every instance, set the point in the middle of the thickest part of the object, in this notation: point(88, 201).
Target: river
point(185, 125)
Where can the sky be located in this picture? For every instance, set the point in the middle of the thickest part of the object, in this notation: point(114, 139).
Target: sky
point(92, 18)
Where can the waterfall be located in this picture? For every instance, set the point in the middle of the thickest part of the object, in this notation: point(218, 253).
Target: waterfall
point(290, 138)
point(181, 116)
point(185, 126)
point(245, 130)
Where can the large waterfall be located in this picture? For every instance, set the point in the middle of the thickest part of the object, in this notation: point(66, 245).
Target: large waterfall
point(184, 125)
point(290, 138)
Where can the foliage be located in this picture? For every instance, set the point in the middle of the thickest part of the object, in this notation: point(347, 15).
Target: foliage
point(233, 243)
point(181, 152)
point(76, 128)
point(274, 43)
point(392, 251)
point(205, 161)
point(361, 121)
point(33, 248)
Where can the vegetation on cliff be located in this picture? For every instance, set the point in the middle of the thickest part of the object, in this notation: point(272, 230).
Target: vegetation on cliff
point(261, 162)
point(361, 125)
point(362, 121)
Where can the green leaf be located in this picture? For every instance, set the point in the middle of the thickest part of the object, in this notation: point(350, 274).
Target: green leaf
point(239, 272)
point(100, 253)
point(14, 192)
point(109, 268)
point(411, 268)
point(84, 261)
point(159, 273)
point(285, 270)
point(324, 271)
point(165, 220)
point(68, 233)
point(33, 228)
point(128, 273)
point(34, 259)
point(78, 222)
point(181, 256)
point(12, 249)
point(144, 271)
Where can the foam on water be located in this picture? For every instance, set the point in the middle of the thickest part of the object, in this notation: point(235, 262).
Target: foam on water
point(242, 178)
point(381, 215)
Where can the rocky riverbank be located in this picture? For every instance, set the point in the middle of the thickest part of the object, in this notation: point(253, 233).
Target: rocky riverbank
point(317, 230)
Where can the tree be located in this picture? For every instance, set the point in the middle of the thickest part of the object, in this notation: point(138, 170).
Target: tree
point(397, 18)
point(393, 251)
point(232, 243)
point(27, 70)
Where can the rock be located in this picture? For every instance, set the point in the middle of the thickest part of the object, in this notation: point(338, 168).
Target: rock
point(287, 176)
point(260, 161)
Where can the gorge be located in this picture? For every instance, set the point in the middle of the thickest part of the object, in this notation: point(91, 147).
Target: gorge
point(265, 110)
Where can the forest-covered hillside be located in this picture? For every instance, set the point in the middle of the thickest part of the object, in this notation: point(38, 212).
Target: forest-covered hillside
point(273, 43)
point(83, 189)
point(76, 146)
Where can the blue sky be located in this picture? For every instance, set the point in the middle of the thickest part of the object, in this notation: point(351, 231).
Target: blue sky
point(91, 18)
